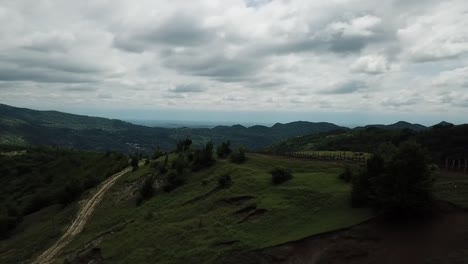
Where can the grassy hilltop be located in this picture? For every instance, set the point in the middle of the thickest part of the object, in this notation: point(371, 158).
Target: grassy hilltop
point(200, 223)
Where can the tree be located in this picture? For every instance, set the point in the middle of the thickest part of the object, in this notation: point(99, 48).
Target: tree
point(238, 156)
point(203, 158)
point(183, 145)
point(179, 163)
point(224, 150)
point(403, 184)
point(147, 188)
point(157, 154)
point(134, 163)
point(406, 185)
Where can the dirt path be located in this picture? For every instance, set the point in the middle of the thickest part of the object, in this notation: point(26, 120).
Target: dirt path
point(80, 220)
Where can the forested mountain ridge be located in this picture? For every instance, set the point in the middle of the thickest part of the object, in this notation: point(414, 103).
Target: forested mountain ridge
point(20, 126)
point(443, 140)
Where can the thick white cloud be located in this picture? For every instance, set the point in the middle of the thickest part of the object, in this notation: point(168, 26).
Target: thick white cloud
point(339, 55)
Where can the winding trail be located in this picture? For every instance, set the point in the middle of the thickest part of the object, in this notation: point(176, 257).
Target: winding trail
point(80, 220)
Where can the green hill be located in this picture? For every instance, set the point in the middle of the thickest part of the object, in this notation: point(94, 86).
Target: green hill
point(201, 223)
point(443, 140)
point(39, 187)
point(20, 126)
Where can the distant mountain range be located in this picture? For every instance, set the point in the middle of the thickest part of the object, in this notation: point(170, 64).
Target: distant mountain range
point(399, 125)
point(26, 126)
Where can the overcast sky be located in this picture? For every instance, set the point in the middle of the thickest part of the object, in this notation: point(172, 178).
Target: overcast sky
point(344, 61)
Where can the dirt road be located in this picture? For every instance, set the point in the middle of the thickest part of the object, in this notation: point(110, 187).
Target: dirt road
point(86, 209)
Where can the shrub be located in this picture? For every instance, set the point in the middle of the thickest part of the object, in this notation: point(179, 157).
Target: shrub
point(7, 224)
point(224, 181)
point(280, 175)
point(183, 145)
point(134, 163)
point(162, 168)
point(224, 150)
point(147, 189)
point(346, 175)
point(238, 156)
point(179, 164)
point(70, 192)
point(173, 181)
point(157, 154)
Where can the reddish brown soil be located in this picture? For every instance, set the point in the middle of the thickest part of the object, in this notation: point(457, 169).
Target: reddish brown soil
point(439, 238)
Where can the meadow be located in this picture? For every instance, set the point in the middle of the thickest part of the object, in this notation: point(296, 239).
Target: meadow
point(202, 223)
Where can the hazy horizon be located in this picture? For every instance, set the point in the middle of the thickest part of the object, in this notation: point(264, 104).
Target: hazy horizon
point(211, 119)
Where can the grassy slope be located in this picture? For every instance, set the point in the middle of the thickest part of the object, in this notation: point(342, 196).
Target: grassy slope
point(168, 230)
point(37, 232)
point(40, 174)
point(452, 187)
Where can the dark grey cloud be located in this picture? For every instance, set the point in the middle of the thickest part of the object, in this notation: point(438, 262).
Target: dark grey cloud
point(59, 62)
point(80, 89)
point(42, 75)
point(213, 65)
point(187, 88)
point(180, 29)
point(346, 88)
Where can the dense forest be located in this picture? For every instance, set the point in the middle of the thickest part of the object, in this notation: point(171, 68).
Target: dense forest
point(442, 141)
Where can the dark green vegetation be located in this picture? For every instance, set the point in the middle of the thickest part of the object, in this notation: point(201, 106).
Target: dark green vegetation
point(24, 127)
point(280, 175)
point(442, 141)
point(219, 212)
point(451, 187)
point(399, 183)
point(38, 186)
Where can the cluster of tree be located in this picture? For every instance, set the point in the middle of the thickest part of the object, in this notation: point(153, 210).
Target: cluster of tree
point(186, 159)
point(395, 182)
point(442, 141)
point(38, 177)
point(224, 151)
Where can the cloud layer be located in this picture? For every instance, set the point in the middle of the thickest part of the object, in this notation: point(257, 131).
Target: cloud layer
point(389, 56)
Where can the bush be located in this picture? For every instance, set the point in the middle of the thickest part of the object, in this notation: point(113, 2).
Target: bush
point(157, 154)
point(346, 175)
point(183, 145)
point(147, 189)
point(238, 156)
point(280, 175)
point(173, 181)
point(7, 224)
point(224, 150)
point(224, 181)
point(179, 164)
point(70, 192)
point(401, 185)
point(134, 163)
